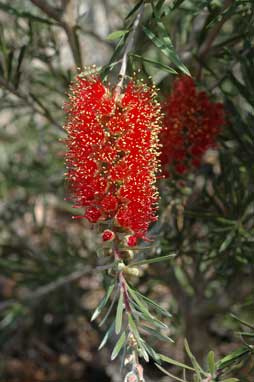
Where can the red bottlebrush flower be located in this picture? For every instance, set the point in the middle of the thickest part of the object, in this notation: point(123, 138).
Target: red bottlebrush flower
point(191, 126)
point(113, 153)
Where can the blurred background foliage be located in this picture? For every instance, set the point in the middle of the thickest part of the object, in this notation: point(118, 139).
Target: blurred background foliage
point(48, 282)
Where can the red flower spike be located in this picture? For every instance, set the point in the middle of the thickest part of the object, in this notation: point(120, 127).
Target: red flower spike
point(113, 153)
point(108, 235)
point(92, 214)
point(191, 126)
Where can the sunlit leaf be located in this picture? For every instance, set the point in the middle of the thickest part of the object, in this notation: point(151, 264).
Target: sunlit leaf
point(165, 45)
point(116, 35)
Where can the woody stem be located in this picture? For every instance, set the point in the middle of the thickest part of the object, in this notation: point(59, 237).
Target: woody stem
point(137, 369)
point(128, 48)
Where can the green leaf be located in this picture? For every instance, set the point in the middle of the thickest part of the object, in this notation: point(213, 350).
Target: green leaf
point(152, 352)
point(139, 340)
point(134, 9)
point(159, 65)
point(154, 321)
point(151, 261)
point(164, 43)
point(230, 380)
point(211, 362)
point(155, 306)
point(232, 357)
point(176, 363)
point(103, 302)
point(106, 337)
point(145, 312)
point(228, 240)
point(246, 334)
point(245, 323)
point(157, 334)
point(119, 314)
point(140, 304)
point(116, 35)
point(106, 69)
point(20, 60)
point(176, 4)
point(133, 327)
point(243, 90)
point(194, 362)
point(118, 346)
point(110, 307)
point(169, 374)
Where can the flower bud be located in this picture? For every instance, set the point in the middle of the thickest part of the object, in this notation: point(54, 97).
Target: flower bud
point(132, 271)
point(126, 255)
point(108, 235)
point(121, 266)
point(131, 241)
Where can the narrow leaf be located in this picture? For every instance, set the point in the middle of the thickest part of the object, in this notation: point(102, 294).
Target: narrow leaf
point(176, 363)
point(155, 306)
point(152, 352)
point(169, 374)
point(106, 337)
point(228, 240)
point(119, 314)
point(245, 323)
point(20, 60)
point(139, 340)
point(194, 362)
point(211, 362)
point(153, 260)
point(134, 9)
point(116, 35)
point(133, 327)
point(164, 43)
point(159, 65)
point(103, 302)
point(141, 306)
point(232, 357)
point(118, 346)
point(157, 334)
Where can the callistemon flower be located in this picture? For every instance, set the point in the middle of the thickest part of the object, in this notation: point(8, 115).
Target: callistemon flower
point(113, 154)
point(191, 126)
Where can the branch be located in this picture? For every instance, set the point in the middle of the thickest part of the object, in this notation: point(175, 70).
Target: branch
point(46, 289)
point(47, 9)
point(212, 35)
point(67, 22)
point(70, 27)
point(41, 109)
point(128, 48)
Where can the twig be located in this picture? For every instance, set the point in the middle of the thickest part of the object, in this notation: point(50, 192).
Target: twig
point(42, 110)
point(46, 289)
point(47, 9)
point(128, 48)
point(205, 48)
point(67, 22)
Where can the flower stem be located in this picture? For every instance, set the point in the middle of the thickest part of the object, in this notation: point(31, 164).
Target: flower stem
point(128, 48)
